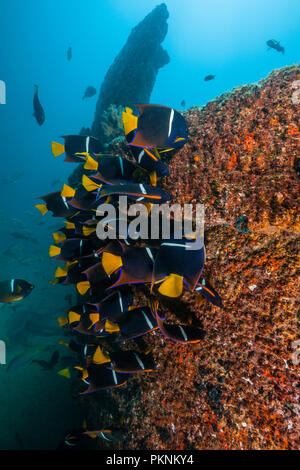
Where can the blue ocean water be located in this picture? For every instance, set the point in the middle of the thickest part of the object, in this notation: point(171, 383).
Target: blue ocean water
point(226, 39)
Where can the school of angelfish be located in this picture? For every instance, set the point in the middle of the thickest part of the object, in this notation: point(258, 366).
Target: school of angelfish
point(109, 274)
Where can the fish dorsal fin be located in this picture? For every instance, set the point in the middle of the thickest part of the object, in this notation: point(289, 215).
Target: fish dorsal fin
point(129, 121)
point(172, 286)
point(111, 263)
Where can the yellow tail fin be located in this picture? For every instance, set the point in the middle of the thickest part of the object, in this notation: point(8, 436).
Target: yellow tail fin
point(130, 121)
point(172, 286)
point(90, 164)
point(111, 327)
point(57, 149)
point(89, 185)
point(60, 272)
point(65, 373)
point(87, 230)
point(83, 287)
point(69, 225)
point(99, 357)
point(73, 317)
point(111, 263)
point(58, 237)
point(42, 208)
point(62, 321)
point(67, 191)
point(54, 251)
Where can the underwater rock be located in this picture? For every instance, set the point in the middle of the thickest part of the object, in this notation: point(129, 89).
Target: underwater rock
point(131, 77)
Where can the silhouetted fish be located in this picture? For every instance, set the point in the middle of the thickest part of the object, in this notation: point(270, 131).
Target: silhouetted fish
point(23, 359)
point(209, 77)
point(12, 178)
point(89, 92)
point(22, 236)
point(273, 44)
point(48, 365)
point(13, 290)
point(69, 53)
point(39, 113)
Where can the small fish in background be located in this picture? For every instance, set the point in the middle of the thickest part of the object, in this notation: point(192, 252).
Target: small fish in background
point(14, 290)
point(273, 44)
point(55, 182)
point(13, 177)
point(24, 359)
point(39, 113)
point(69, 53)
point(89, 92)
point(48, 365)
point(182, 104)
point(208, 78)
point(23, 236)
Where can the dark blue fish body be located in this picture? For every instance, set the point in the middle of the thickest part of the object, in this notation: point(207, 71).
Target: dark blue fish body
point(69, 53)
point(273, 44)
point(208, 78)
point(89, 92)
point(38, 113)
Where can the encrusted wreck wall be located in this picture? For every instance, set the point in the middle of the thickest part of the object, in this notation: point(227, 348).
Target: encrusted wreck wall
point(239, 387)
